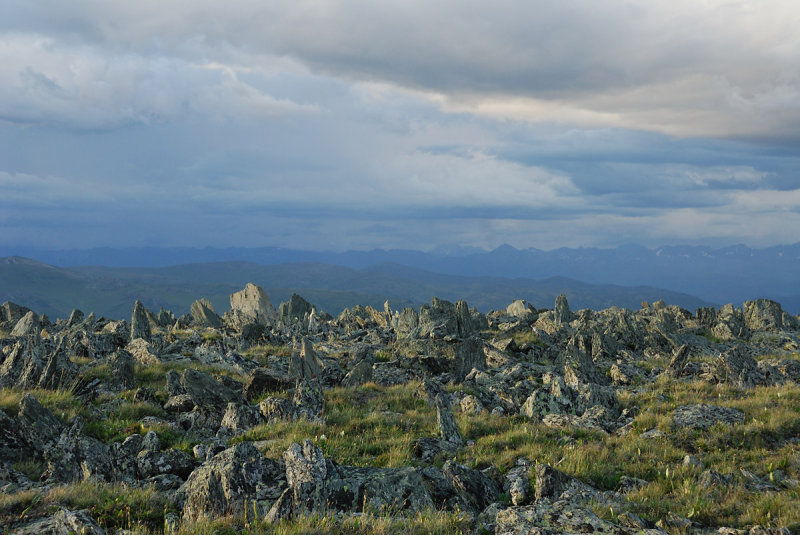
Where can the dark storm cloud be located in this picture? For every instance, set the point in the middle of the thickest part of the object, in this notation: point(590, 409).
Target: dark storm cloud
point(408, 124)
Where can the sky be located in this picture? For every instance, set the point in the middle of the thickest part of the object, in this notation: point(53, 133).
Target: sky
point(334, 125)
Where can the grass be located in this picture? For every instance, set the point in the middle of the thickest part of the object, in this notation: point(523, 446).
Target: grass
point(371, 425)
point(368, 425)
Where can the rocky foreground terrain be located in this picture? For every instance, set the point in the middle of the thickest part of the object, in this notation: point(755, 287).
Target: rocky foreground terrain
point(438, 420)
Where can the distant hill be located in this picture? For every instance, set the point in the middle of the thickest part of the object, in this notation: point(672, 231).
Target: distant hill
point(719, 275)
point(111, 291)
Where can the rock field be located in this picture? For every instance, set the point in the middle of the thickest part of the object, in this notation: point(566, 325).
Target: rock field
point(443, 419)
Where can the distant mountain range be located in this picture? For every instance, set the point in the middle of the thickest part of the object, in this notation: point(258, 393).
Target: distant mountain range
point(721, 275)
point(111, 291)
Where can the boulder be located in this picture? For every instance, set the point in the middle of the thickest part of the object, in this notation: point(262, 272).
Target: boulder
point(75, 457)
point(703, 416)
point(763, 315)
point(475, 489)
point(737, 368)
point(209, 393)
point(236, 478)
point(62, 522)
point(560, 517)
point(121, 367)
point(151, 463)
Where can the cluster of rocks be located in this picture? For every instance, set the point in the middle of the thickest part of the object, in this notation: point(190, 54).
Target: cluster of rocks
point(558, 367)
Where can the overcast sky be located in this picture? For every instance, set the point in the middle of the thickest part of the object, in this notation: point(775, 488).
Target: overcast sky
point(399, 124)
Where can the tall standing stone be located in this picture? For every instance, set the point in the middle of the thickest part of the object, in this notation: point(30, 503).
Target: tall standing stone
point(252, 303)
point(562, 314)
point(140, 324)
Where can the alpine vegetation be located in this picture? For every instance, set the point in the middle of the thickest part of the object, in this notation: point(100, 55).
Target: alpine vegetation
point(437, 420)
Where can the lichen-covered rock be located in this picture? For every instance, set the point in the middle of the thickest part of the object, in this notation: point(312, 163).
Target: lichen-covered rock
point(561, 312)
point(62, 522)
point(203, 315)
point(735, 367)
point(121, 367)
point(236, 478)
point(762, 315)
point(151, 463)
point(475, 489)
point(76, 457)
point(209, 393)
point(140, 323)
point(28, 325)
point(446, 422)
point(251, 305)
point(240, 417)
point(703, 416)
point(556, 518)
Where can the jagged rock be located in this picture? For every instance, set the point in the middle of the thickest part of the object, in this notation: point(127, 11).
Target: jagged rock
point(121, 368)
point(703, 416)
point(443, 319)
point(763, 315)
point(520, 309)
point(553, 484)
point(11, 313)
point(517, 482)
point(140, 323)
point(75, 457)
point(737, 368)
point(264, 380)
point(179, 403)
point(676, 365)
point(274, 408)
point(142, 351)
point(151, 463)
point(239, 418)
point(236, 478)
point(208, 393)
point(308, 400)
point(295, 310)
point(37, 425)
point(560, 517)
point(251, 306)
point(406, 324)
point(475, 489)
point(561, 312)
point(10, 479)
point(706, 316)
point(446, 422)
point(471, 405)
point(730, 323)
point(27, 325)
point(360, 373)
point(203, 315)
point(305, 364)
point(63, 522)
point(319, 485)
point(14, 444)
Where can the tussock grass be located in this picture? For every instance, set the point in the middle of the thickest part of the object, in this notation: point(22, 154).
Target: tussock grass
point(368, 425)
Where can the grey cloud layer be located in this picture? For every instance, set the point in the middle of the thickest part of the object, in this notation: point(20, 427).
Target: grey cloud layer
point(399, 124)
